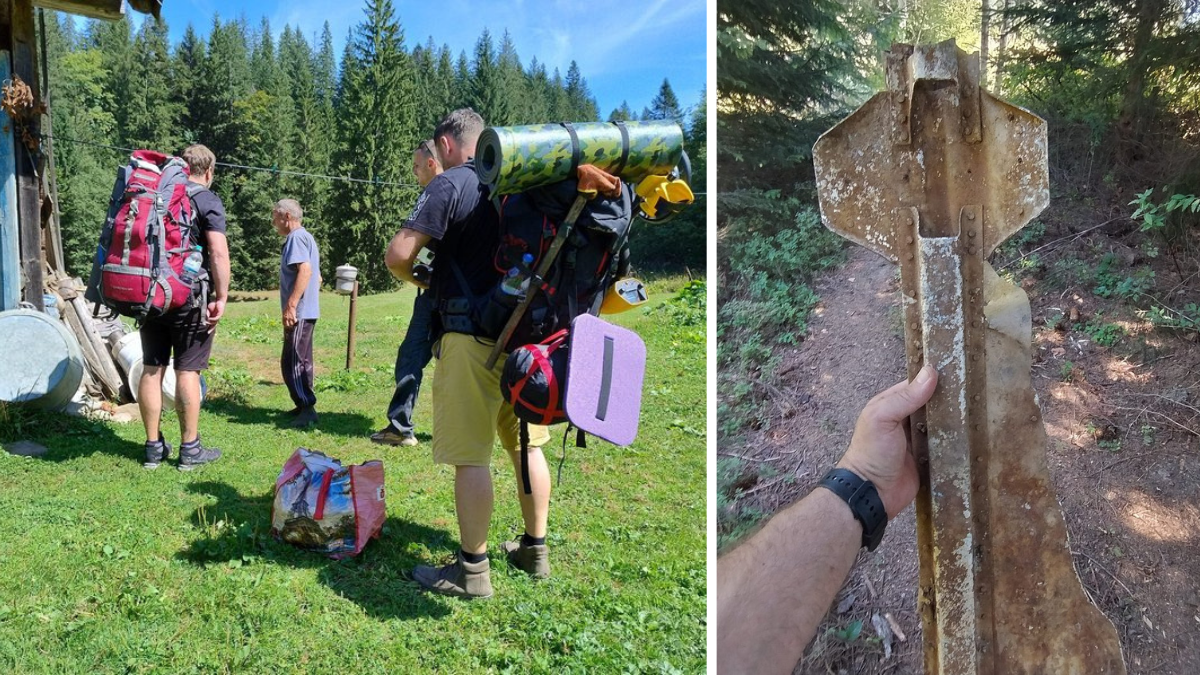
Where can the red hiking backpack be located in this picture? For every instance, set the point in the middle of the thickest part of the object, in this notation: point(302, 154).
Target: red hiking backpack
point(149, 232)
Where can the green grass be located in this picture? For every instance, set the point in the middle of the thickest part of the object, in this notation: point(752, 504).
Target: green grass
point(108, 567)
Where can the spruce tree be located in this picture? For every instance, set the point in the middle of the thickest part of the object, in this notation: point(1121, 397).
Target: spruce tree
point(778, 64)
point(81, 108)
point(621, 114)
point(185, 76)
point(264, 127)
point(311, 141)
point(446, 82)
point(376, 135)
point(559, 104)
point(511, 83)
point(462, 81)
point(152, 112)
point(665, 105)
point(579, 99)
point(325, 69)
point(537, 84)
point(487, 94)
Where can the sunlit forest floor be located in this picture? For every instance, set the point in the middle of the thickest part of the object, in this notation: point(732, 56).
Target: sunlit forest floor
point(1121, 404)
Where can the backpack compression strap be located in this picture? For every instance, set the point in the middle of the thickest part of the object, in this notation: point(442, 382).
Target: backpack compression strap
point(535, 283)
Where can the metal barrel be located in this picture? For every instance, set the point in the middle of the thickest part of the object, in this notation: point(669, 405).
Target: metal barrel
point(41, 363)
point(515, 159)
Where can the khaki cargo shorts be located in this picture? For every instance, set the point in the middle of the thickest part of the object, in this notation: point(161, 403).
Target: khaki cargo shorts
point(468, 409)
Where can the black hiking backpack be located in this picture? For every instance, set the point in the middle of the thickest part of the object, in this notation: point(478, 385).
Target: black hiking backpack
point(595, 254)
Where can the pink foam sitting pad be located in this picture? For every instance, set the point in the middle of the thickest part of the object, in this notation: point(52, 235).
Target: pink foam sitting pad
point(605, 368)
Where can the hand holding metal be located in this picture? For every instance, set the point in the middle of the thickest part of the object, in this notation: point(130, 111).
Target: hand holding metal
point(933, 174)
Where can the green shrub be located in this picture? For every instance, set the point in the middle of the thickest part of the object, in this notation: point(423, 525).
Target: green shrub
point(770, 247)
point(1110, 284)
point(1187, 318)
point(1102, 333)
point(343, 380)
point(1169, 219)
point(229, 382)
point(689, 306)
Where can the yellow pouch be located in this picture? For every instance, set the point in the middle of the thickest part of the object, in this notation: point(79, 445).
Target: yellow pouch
point(623, 295)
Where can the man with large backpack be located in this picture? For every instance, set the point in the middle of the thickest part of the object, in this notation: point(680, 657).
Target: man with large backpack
point(468, 409)
point(188, 331)
point(415, 351)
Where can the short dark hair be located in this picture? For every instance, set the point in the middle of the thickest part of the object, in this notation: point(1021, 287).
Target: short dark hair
point(463, 125)
point(426, 148)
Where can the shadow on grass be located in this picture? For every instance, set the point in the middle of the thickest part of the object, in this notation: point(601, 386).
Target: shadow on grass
point(351, 425)
point(65, 437)
point(238, 532)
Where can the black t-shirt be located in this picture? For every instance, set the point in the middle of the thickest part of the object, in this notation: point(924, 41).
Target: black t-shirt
point(209, 213)
point(455, 210)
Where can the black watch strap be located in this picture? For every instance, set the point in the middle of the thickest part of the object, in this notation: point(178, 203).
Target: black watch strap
point(864, 502)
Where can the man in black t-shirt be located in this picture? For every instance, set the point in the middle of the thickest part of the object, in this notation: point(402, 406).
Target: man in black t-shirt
point(188, 331)
point(468, 409)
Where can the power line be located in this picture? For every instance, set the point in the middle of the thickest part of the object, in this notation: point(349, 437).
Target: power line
point(245, 167)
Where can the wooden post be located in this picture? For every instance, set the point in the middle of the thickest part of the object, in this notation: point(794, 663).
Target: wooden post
point(29, 202)
point(353, 319)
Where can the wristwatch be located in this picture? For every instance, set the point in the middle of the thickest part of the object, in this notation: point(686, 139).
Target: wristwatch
point(864, 502)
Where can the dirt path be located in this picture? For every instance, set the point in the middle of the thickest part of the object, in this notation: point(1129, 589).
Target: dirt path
point(1133, 512)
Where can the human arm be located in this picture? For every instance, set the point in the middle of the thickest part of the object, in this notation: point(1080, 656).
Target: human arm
point(218, 257)
point(774, 588)
point(402, 253)
point(303, 274)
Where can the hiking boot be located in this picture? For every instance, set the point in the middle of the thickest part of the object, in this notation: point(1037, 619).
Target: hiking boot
point(460, 578)
point(190, 458)
point(157, 453)
point(389, 436)
point(533, 560)
point(305, 418)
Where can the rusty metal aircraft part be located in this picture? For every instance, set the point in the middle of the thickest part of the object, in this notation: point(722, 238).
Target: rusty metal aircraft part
point(933, 174)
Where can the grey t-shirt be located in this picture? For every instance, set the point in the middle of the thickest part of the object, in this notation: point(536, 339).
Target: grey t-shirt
point(300, 247)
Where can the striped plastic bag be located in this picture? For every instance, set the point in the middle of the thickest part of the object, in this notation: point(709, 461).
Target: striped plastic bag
point(325, 507)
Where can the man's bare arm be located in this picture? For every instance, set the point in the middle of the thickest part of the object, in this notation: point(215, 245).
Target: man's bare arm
point(402, 253)
point(218, 259)
point(774, 588)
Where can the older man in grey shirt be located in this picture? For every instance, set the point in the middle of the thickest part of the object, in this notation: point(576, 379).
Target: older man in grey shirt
point(299, 284)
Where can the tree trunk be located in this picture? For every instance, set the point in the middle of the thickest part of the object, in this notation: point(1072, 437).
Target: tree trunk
point(984, 24)
point(1002, 47)
point(1129, 125)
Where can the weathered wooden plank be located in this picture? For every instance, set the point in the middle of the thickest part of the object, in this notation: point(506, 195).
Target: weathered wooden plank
point(29, 203)
point(10, 233)
point(111, 10)
point(96, 352)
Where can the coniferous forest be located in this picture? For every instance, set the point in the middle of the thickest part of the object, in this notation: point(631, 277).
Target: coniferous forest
point(287, 104)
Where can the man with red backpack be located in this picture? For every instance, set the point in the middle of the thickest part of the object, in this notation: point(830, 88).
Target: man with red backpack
point(188, 331)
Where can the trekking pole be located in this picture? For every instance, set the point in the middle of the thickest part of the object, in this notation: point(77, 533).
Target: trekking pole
point(535, 283)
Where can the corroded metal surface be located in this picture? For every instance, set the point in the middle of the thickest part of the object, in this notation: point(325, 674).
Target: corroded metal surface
point(933, 174)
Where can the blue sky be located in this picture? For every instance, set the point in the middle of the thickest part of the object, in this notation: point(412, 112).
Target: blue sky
point(624, 49)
